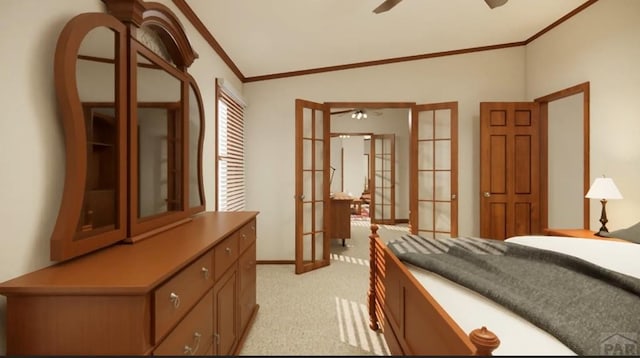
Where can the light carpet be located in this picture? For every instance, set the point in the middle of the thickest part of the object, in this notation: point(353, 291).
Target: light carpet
point(323, 312)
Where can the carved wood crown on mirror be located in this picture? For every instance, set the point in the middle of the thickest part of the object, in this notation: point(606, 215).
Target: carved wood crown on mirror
point(133, 125)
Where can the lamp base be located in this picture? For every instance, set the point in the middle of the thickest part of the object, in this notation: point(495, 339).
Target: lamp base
point(602, 233)
point(603, 220)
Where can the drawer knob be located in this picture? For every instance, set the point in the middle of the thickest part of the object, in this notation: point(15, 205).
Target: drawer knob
point(175, 299)
point(205, 272)
point(228, 250)
point(196, 344)
point(244, 237)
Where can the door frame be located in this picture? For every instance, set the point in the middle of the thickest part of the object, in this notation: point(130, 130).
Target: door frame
point(584, 89)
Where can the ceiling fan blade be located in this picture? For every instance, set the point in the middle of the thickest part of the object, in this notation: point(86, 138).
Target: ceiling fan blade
point(386, 6)
point(344, 111)
point(495, 3)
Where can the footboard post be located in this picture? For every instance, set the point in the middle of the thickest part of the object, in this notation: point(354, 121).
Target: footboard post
point(484, 340)
point(373, 319)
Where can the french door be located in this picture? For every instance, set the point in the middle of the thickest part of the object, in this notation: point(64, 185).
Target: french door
point(434, 170)
point(383, 199)
point(312, 244)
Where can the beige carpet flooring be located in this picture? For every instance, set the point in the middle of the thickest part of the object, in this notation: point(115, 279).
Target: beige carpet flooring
point(323, 312)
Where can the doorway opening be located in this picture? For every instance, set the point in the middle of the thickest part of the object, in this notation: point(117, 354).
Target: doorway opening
point(369, 160)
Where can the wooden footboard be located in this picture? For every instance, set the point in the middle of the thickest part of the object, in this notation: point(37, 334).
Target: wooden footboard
point(412, 321)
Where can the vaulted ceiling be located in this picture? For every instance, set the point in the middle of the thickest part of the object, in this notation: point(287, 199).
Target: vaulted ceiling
point(277, 38)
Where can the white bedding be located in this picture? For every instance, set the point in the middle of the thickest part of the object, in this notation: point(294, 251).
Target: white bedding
point(517, 336)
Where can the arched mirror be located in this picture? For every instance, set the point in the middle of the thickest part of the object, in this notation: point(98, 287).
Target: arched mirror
point(89, 72)
point(159, 135)
point(133, 124)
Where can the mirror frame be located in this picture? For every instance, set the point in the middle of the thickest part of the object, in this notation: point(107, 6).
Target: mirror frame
point(125, 18)
point(64, 242)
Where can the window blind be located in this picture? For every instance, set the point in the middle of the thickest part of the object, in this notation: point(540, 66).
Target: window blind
point(230, 157)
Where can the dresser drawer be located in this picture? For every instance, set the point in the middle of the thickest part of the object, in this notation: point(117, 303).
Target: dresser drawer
point(176, 296)
point(247, 235)
point(194, 335)
point(225, 254)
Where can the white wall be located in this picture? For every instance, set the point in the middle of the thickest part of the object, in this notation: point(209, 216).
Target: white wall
point(600, 45)
point(566, 162)
point(353, 170)
point(468, 79)
point(32, 159)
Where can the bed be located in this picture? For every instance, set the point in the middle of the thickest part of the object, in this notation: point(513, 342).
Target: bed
point(414, 309)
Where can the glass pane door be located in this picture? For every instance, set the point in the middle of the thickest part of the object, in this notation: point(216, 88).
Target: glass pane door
point(434, 159)
point(383, 199)
point(312, 172)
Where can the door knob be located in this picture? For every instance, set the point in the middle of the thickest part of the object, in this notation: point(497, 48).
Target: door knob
point(487, 194)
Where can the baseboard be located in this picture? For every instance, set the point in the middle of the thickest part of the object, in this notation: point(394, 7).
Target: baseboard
point(275, 262)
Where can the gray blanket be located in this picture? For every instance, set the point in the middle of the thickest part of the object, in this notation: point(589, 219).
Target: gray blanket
point(583, 305)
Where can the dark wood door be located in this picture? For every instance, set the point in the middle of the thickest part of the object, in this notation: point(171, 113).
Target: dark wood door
point(509, 169)
point(313, 238)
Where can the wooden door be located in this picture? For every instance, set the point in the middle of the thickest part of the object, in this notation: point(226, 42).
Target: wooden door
point(509, 169)
point(433, 189)
point(312, 172)
point(383, 192)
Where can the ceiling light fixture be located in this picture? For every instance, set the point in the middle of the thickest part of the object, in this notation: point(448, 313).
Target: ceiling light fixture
point(495, 3)
point(359, 114)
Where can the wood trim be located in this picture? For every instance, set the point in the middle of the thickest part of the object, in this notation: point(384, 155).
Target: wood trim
point(160, 18)
point(198, 97)
point(202, 29)
point(275, 262)
point(544, 163)
point(381, 62)
point(355, 134)
point(370, 105)
point(560, 21)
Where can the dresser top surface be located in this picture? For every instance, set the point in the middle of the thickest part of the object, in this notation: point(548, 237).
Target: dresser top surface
point(128, 269)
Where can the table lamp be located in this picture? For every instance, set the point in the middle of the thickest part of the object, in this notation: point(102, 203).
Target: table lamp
point(603, 189)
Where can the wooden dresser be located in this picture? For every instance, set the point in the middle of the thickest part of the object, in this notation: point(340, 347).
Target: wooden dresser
point(340, 218)
point(190, 290)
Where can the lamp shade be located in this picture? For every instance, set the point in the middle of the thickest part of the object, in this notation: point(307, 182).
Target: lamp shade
point(603, 188)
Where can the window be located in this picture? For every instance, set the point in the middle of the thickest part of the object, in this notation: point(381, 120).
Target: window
point(230, 187)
